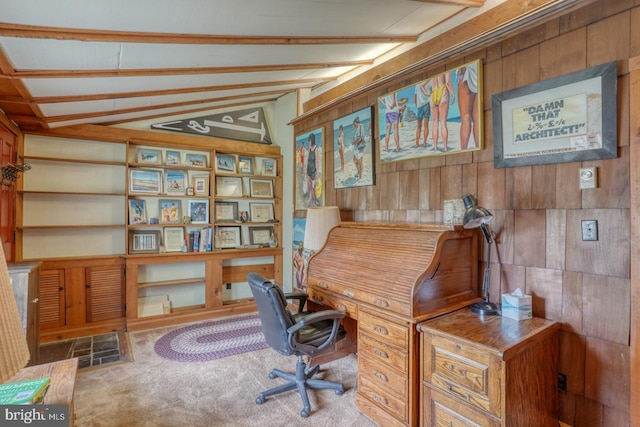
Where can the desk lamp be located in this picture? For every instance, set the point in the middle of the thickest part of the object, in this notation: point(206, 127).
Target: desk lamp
point(474, 217)
point(14, 351)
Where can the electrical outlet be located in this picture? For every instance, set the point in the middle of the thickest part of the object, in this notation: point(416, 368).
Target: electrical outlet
point(562, 381)
point(588, 177)
point(589, 230)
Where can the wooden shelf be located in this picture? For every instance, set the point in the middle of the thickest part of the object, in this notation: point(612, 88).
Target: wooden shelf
point(70, 193)
point(68, 160)
point(178, 282)
point(46, 227)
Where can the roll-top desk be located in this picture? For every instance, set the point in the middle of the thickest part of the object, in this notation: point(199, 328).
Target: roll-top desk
point(388, 277)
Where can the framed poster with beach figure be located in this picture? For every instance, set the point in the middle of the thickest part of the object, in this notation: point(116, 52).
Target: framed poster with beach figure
point(437, 116)
point(170, 211)
point(176, 182)
point(137, 211)
point(353, 150)
point(309, 188)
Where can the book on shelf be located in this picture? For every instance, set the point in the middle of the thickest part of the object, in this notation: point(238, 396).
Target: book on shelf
point(27, 392)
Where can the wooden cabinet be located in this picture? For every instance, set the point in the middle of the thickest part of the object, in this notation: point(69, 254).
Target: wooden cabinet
point(488, 371)
point(81, 296)
point(25, 279)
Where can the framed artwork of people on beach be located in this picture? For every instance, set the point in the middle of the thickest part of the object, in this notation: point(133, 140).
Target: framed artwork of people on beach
point(309, 188)
point(565, 119)
point(353, 150)
point(437, 116)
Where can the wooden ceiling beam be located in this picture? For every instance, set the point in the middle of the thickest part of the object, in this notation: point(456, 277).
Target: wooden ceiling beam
point(56, 33)
point(467, 3)
point(35, 74)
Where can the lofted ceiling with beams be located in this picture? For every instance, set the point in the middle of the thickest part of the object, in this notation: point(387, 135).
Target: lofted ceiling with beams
point(65, 62)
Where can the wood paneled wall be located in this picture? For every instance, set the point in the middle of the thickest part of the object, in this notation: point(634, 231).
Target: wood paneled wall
point(537, 209)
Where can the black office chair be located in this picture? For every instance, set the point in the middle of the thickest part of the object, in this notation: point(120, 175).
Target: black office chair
point(302, 334)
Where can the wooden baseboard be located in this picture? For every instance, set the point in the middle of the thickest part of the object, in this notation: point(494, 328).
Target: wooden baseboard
point(78, 331)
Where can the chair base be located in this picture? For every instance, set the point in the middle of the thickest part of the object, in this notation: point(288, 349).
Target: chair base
point(302, 380)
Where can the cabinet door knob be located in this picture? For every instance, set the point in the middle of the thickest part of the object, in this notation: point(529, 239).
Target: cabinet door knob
point(35, 300)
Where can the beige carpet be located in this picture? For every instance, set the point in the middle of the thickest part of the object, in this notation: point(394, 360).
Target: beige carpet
point(152, 391)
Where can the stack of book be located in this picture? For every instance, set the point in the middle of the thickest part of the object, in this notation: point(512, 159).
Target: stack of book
point(27, 392)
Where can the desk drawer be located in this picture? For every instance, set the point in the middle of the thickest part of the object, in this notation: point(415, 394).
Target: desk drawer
point(384, 330)
point(382, 397)
point(392, 356)
point(350, 308)
point(382, 375)
point(442, 410)
point(463, 371)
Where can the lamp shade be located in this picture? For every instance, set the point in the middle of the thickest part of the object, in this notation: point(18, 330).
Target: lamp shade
point(319, 222)
point(14, 351)
point(474, 215)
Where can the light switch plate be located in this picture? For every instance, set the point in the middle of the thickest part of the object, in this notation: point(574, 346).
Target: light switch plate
point(589, 230)
point(588, 178)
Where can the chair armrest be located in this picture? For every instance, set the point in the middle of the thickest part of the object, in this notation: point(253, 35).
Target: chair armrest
point(315, 317)
point(310, 319)
point(300, 296)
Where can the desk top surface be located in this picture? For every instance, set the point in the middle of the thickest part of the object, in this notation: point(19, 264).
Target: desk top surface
point(63, 379)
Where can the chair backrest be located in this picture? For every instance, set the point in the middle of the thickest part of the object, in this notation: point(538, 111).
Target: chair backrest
point(274, 315)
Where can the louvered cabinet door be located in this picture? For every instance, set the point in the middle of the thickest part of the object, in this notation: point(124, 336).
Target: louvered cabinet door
point(105, 293)
point(52, 298)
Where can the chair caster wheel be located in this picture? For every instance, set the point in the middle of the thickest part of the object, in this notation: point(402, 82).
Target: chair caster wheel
point(260, 400)
point(272, 376)
point(304, 413)
point(339, 392)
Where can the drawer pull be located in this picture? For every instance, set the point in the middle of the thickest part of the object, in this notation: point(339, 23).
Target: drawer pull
point(323, 285)
point(381, 303)
point(457, 393)
point(380, 399)
point(349, 294)
point(381, 353)
point(316, 298)
point(341, 307)
point(381, 376)
point(381, 330)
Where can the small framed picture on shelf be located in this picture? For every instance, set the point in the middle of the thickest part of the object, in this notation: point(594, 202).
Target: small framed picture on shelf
point(175, 182)
point(150, 156)
point(260, 235)
point(200, 184)
point(173, 239)
point(261, 212)
point(269, 167)
point(243, 216)
point(196, 160)
point(261, 187)
point(229, 186)
point(226, 211)
point(145, 181)
point(225, 163)
point(137, 212)
point(170, 211)
point(198, 211)
point(245, 165)
point(172, 158)
point(144, 241)
point(228, 237)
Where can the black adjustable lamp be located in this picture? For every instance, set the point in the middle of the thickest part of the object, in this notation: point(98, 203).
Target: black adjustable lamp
point(474, 217)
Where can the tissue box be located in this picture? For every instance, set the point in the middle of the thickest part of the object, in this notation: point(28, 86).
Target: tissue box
point(516, 307)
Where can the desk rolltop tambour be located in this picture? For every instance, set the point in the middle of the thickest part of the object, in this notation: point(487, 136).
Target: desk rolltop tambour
point(410, 270)
point(390, 277)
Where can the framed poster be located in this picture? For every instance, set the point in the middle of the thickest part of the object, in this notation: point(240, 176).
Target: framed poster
point(196, 160)
point(269, 167)
point(145, 181)
point(173, 239)
point(225, 163)
point(137, 212)
point(200, 185)
point(144, 241)
point(172, 158)
point(226, 211)
point(175, 182)
point(261, 212)
point(198, 211)
point(170, 211)
point(150, 156)
point(437, 116)
point(353, 150)
point(566, 119)
point(309, 189)
point(261, 187)
point(245, 165)
point(228, 237)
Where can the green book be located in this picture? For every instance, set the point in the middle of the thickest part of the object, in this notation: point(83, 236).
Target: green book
point(27, 392)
